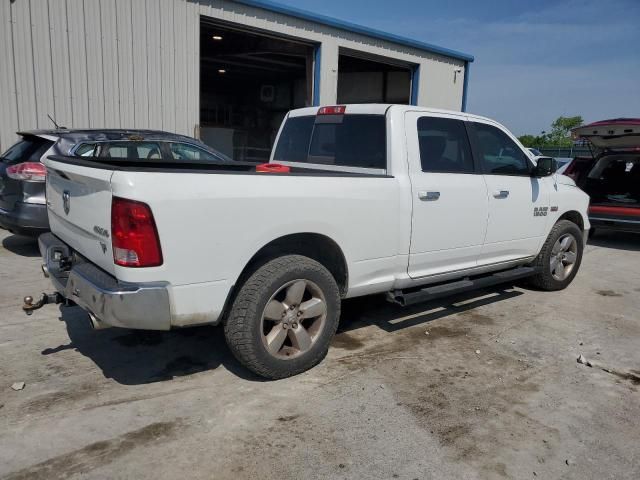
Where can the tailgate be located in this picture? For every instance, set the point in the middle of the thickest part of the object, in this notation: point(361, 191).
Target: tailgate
point(79, 204)
point(619, 133)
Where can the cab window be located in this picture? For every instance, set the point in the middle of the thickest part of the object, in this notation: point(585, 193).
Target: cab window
point(498, 153)
point(444, 146)
point(352, 140)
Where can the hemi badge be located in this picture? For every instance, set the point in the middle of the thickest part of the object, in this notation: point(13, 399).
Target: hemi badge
point(554, 209)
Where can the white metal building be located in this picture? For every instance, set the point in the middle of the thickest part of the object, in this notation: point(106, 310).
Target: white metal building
point(225, 71)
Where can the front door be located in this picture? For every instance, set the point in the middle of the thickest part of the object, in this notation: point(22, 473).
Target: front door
point(449, 197)
point(518, 202)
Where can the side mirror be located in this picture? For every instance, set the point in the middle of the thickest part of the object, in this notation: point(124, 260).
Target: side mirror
point(546, 166)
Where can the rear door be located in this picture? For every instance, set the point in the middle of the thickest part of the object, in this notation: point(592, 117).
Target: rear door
point(518, 202)
point(450, 205)
point(79, 205)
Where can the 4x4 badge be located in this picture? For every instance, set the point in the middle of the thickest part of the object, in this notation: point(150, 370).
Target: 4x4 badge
point(66, 201)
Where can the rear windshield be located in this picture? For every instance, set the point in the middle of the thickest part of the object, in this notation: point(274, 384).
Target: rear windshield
point(29, 149)
point(340, 140)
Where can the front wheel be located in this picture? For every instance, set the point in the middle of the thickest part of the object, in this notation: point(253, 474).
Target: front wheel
point(284, 316)
point(560, 257)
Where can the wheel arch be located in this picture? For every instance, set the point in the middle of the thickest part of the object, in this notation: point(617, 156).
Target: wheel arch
point(316, 246)
point(573, 216)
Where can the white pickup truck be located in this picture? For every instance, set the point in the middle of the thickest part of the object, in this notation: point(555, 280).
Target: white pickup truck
point(413, 202)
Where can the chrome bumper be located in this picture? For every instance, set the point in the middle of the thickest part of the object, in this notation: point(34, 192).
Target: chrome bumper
point(117, 304)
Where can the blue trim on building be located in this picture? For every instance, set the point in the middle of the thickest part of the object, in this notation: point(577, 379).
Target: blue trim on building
point(317, 58)
point(415, 84)
point(465, 85)
point(352, 27)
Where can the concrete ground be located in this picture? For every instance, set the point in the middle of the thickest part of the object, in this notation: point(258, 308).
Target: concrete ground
point(486, 388)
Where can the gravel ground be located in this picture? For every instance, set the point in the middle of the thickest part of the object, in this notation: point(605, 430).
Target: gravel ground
point(487, 387)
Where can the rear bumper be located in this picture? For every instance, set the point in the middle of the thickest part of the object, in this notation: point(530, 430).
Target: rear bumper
point(25, 219)
point(113, 303)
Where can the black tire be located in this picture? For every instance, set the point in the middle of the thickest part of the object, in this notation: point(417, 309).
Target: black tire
point(592, 232)
point(244, 328)
point(545, 280)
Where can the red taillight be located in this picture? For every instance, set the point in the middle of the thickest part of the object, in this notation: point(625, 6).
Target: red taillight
point(28, 171)
point(134, 235)
point(334, 110)
point(272, 168)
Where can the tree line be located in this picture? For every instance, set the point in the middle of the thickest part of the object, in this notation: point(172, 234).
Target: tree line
point(559, 136)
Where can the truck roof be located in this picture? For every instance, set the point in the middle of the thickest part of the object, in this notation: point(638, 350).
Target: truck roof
point(382, 108)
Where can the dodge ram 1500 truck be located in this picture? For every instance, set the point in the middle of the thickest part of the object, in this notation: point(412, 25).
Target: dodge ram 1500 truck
point(413, 202)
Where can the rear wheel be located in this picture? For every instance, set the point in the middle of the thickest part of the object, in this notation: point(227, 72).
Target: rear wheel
point(284, 316)
point(560, 257)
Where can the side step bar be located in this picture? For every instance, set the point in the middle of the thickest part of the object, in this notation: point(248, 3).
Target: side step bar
point(412, 296)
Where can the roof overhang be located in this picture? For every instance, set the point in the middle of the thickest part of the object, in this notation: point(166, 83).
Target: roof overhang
point(352, 27)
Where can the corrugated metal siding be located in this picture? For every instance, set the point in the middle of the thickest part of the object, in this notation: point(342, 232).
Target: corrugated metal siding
point(110, 64)
point(23, 55)
point(61, 76)
point(98, 64)
point(9, 112)
point(192, 93)
point(124, 63)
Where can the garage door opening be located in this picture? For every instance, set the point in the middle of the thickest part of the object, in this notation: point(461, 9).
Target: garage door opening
point(368, 81)
point(248, 82)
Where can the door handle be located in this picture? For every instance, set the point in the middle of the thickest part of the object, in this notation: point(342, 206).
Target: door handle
point(429, 196)
point(501, 194)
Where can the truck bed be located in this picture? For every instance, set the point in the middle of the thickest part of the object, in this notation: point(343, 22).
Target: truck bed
point(211, 220)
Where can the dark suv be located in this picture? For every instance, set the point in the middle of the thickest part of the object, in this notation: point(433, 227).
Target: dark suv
point(612, 176)
point(23, 208)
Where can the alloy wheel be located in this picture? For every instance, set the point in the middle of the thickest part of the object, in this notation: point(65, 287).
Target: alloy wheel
point(563, 257)
point(293, 319)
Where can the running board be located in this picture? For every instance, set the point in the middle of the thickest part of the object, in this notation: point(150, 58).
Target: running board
point(411, 297)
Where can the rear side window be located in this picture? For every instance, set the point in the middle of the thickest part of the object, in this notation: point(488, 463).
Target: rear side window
point(444, 145)
point(186, 152)
point(499, 154)
point(340, 140)
point(293, 144)
point(29, 149)
point(132, 150)
point(86, 150)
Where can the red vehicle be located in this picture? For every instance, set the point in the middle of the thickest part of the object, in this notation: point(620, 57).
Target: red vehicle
point(612, 176)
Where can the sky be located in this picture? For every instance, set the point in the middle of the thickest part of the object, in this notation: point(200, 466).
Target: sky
point(534, 60)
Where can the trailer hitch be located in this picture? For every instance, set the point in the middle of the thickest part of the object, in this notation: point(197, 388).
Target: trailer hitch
point(46, 299)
